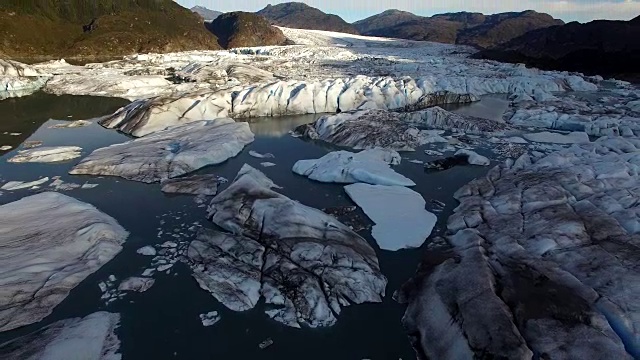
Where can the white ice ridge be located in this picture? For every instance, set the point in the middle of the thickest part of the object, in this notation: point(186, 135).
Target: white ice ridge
point(17, 79)
point(170, 153)
point(371, 166)
point(90, 338)
point(399, 213)
point(48, 244)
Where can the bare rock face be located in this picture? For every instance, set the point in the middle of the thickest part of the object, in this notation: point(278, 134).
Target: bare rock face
point(301, 260)
point(49, 243)
point(598, 47)
point(544, 260)
point(90, 338)
point(243, 29)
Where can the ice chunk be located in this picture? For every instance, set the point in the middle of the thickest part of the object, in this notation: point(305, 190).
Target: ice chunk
point(170, 153)
point(137, 284)
point(90, 338)
point(17, 185)
point(147, 251)
point(47, 154)
point(473, 157)
point(551, 137)
point(50, 242)
point(267, 164)
point(6, 147)
point(256, 154)
point(399, 213)
point(368, 166)
point(210, 318)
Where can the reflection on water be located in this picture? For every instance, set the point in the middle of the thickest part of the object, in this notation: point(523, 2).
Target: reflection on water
point(25, 115)
point(277, 127)
point(163, 322)
point(489, 107)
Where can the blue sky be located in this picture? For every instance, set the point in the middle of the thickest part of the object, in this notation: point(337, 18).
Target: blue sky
point(352, 10)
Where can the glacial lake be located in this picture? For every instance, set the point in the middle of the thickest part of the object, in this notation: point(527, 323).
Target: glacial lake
point(164, 323)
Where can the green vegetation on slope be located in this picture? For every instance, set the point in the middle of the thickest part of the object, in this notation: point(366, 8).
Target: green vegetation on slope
point(54, 28)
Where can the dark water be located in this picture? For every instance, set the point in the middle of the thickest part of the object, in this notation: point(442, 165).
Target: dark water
point(163, 322)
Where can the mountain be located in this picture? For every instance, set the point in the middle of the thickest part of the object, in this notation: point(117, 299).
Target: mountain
point(206, 14)
point(243, 29)
point(465, 28)
point(302, 16)
point(40, 29)
point(598, 47)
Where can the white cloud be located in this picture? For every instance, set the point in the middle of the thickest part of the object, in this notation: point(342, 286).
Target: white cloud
point(568, 10)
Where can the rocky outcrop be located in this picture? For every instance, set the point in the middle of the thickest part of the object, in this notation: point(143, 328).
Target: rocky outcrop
point(207, 14)
point(49, 244)
point(544, 252)
point(242, 29)
point(170, 153)
point(598, 47)
point(464, 28)
point(297, 258)
point(302, 16)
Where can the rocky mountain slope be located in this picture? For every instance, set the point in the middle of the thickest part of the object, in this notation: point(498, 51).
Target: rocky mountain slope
point(36, 29)
point(598, 47)
point(465, 28)
point(243, 29)
point(206, 14)
point(302, 16)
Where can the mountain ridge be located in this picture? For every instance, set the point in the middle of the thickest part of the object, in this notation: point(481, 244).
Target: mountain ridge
point(302, 16)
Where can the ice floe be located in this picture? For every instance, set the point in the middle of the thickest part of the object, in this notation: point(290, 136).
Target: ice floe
point(147, 251)
point(90, 338)
point(47, 154)
point(206, 185)
point(210, 318)
point(258, 155)
point(170, 153)
point(562, 229)
point(137, 284)
point(370, 166)
point(296, 257)
point(17, 185)
point(50, 242)
point(399, 213)
point(6, 147)
point(71, 124)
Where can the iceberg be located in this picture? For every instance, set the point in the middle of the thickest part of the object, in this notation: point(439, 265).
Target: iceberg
point(47, 154)
point(399, 213)
point(368, 166)
point(49, 243)
point(17, 185)
point(169, 153)
point(298, 258)
point(90, 338)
